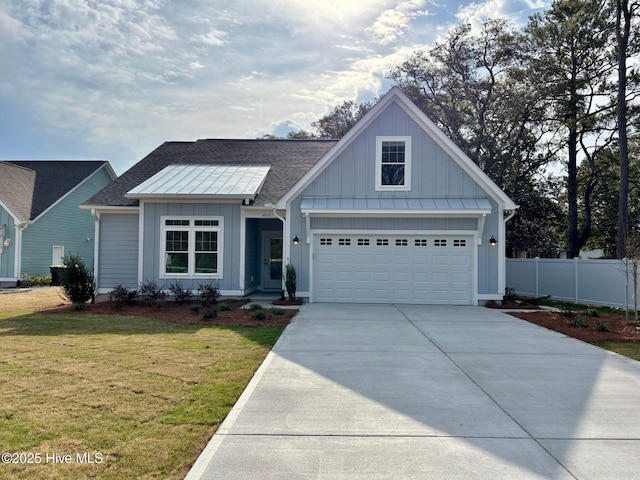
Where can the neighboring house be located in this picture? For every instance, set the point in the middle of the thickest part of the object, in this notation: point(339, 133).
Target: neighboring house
point(40, 215)
point(393, 212)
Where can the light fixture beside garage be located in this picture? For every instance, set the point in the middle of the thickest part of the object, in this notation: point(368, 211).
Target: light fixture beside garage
point(492, 241)
point(296, 240)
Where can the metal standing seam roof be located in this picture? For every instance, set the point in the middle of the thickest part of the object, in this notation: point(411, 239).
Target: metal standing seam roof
point(222, 181)
point(475, 206)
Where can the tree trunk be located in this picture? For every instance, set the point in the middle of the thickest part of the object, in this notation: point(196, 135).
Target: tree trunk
point(623, 28)
point(573, 250)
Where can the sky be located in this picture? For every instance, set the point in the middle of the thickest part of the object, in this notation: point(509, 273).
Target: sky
point(113, 79)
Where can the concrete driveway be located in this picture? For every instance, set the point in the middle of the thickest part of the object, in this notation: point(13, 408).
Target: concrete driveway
point(428, 392)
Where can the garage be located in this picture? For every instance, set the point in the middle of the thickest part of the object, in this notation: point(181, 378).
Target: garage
point(419, 269)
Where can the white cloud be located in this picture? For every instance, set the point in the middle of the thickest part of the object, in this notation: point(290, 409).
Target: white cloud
point(215, 38)
point(391, 23)
point(517, 10)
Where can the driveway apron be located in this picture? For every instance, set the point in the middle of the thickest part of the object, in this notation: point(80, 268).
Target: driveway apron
point(406, 391)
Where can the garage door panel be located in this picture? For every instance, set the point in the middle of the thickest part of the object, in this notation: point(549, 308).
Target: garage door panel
point(393, 268)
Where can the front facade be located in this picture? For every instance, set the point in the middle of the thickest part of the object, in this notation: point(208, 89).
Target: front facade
point(393, 212)
point(40, 218)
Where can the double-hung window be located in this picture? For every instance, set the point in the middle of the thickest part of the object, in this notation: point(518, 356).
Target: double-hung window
point(393, 163)
point(191, 247)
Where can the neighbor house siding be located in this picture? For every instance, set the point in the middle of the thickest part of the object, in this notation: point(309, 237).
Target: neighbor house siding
point(231, 247)
point(7, 259)
point(118, 257)
point(63, 225)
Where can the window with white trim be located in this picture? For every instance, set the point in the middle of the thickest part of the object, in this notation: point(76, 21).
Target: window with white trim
point(192, 247)
point(393, 163)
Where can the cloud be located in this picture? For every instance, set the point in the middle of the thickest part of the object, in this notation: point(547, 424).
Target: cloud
point(517, 10)
point(392, 22)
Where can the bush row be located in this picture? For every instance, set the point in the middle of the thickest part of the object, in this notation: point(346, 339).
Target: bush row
point(149, 293)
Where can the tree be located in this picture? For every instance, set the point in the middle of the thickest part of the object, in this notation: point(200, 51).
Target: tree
point(337, 123)
point(569, 47)
point(625, 11)
point(475, 88)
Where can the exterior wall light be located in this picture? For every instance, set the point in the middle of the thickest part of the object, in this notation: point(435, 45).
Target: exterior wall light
point(7, 242)
point(492, 241)
point(296, 240)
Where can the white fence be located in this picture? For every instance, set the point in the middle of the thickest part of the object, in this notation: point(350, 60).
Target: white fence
point(596, 282)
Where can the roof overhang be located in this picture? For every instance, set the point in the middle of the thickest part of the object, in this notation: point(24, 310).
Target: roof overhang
point(395, 207)
point(193, 182)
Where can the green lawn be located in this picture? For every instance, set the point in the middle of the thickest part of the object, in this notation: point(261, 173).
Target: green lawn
point(631, 350)
point(140, 396)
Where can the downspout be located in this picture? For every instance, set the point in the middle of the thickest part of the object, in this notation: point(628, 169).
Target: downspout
point(96, 241)
point(503, 251)
point(21, 227)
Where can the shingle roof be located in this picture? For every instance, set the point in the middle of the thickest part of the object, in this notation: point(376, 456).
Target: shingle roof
point(53, 180)
point(289, 161)
point(16, 189)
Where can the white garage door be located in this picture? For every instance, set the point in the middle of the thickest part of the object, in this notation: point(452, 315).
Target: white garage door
point(422, 269)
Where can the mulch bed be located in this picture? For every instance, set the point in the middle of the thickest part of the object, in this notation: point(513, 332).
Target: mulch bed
point(172, 312)
point(621, 330)
point(506, 305)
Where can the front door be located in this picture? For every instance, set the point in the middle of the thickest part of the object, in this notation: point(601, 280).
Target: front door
point(272, 261)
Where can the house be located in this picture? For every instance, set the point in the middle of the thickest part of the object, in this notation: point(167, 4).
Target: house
point(40, 216)
point(392, 212)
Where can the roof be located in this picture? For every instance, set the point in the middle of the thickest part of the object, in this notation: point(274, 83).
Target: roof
point(52, 180)
point(203, 181)
point(395, 205)
point(288, 160)
point(16, 189)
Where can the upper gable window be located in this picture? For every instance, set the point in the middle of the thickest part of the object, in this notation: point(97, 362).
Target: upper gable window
point(393, 163)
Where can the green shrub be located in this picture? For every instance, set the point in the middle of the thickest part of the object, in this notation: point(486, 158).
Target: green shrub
point(34, 280)
point(225, 307)
point(208, 294)
point(255, 306)
point(78, 283)
point(603, 327)
point(290, 281)
point(565, 309)
point(509, 294)
point(150, 294)
point(122, 296)
point(209, 315)
point(76, 307)
point(591, 312)
point(277, 311)
point(195, 308)
point(180, 294)
point(260, 315)
point(578, 322)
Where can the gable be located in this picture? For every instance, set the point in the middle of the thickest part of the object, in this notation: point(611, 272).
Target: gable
point(438, 167)
point(16, 190)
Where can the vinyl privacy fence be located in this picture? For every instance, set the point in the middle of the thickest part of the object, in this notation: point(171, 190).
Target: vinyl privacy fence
point(597, 282)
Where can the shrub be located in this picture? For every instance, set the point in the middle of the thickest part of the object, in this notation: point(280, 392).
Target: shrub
point(210, 314)
point(195, 308)
point(255, 306)
point(151, 294)
point(122, 296)
point(290, 281)
point(78, 283)
point(76, 307)
point(566, 310)
point(603, 327)
point(591, 312)
point(225, 307)
point(277, 311)
point(578, 322)
point(208, 294)
point(509, 294)
point(260, 315)
point(180, 295)
point(34, 280)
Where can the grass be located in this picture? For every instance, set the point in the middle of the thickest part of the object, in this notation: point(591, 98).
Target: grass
point(144, 394)
point(631, 350)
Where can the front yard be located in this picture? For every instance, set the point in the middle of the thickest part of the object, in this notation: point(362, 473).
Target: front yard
point(84, 395)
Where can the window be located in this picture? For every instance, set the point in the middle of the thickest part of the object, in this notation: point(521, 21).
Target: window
point(57, 256)
point(325, 241)
point(459, 243)
point(393, 163)
point(363, 242)
point(440, 243)
point(344, 241)
point(401, 242)
point(382, 242)
point(192, 247)
point(421, 242)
